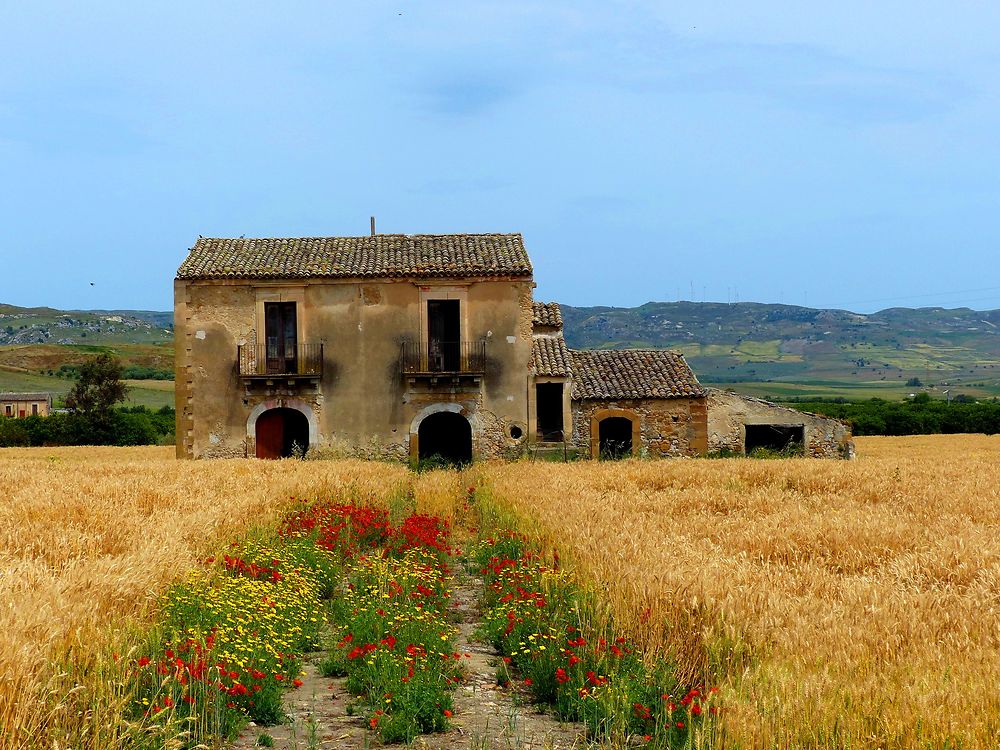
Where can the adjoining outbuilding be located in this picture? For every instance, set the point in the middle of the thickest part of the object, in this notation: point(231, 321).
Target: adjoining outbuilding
point(612, 403)
point(637, 401)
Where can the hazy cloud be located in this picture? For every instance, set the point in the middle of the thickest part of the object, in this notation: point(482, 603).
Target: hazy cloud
point(466, 94)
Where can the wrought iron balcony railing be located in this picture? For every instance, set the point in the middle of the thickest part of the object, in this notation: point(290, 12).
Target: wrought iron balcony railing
point(443, 358)
point(263, 361)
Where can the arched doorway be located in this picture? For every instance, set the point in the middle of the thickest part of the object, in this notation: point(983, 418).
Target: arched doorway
point(447, 435)
point(615, 437)
point(281, 433)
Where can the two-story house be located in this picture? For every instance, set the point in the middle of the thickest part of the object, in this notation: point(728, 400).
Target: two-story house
point(389, 345)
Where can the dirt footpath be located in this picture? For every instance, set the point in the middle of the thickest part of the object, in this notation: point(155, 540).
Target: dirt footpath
point(486, 716)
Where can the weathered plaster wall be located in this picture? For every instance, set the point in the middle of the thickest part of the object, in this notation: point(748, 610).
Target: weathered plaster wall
point(667, 427)
point(729, 413)
point(363, 405)
point(210, 322)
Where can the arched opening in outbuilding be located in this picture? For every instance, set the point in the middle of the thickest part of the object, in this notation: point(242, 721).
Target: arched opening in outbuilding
point(281, 433)
point(447, 436)
point(615, 437)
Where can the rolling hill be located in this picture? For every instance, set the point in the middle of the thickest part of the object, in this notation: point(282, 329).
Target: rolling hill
point(787, 351)
point(41, 346)
point(775, 351)
point(44, 325)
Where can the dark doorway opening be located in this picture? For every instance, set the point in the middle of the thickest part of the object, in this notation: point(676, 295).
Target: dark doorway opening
point(281, 337)
point(549, 411)
point(282, 433)
point(775, 437)
point(446, 436)
point(444, 335)
point(615, 437)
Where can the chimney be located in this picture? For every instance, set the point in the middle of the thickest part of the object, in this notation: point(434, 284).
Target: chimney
point(373, 226)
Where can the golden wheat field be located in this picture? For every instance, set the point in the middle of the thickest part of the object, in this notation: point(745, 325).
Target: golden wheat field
point(90, 536)
point(836, 604)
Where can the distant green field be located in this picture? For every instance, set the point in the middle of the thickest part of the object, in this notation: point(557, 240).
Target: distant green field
point(850, 391)
point(152, 393)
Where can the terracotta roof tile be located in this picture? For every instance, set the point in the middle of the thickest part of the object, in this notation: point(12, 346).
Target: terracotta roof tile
point(632, 373)
point(381, 256)
point(550, 357)
point(547, 314)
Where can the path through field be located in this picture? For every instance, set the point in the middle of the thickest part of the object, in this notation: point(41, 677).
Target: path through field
point(486, 715)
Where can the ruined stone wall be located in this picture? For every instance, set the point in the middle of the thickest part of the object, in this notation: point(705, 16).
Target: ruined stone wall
point(666, 427)
point(729, 414)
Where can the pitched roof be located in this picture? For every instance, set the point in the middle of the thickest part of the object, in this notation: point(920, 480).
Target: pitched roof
point(381, 256)
point(632, 373)
point(25, 396)
point(547, 314)
point(550, 357)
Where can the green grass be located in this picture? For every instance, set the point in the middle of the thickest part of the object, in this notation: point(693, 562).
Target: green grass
point(158, 393)
point(857, 391)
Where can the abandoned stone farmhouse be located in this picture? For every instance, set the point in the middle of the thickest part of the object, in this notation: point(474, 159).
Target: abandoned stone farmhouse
point(414, 346)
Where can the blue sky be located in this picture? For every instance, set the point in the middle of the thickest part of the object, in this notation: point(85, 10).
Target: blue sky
point(832, 154)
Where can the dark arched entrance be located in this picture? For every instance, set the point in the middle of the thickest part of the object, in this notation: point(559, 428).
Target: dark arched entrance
point(280, 433)
point(447, 435)
point(615, 437)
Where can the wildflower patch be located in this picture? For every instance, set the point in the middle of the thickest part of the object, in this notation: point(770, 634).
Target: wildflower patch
point(232, 634)
point(542, 624)
point(393, 639)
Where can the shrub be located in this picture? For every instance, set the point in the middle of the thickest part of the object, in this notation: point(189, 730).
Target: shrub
point(13, 434)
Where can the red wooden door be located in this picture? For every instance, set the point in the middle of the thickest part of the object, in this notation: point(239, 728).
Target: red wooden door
point(270, 435)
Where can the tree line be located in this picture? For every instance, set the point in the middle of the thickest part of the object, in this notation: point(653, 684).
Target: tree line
point(129, 372)
point(93, 415)
point(919, 415)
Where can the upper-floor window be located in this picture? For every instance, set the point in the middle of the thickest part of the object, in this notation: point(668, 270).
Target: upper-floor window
point(281, 337)
point(444, 334)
